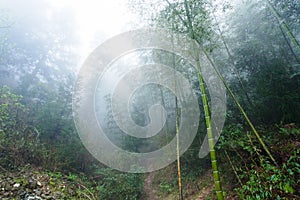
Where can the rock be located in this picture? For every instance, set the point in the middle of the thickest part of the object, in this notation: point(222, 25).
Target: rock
point(44, 196)
point(39, 183)
point(32, 197)
point(16, 185)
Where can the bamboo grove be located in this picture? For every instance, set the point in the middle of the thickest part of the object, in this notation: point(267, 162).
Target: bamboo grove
point(252, 49)
point(182, 16)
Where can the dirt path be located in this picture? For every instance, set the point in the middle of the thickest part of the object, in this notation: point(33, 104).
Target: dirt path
point(205, 192)
point(147, 187)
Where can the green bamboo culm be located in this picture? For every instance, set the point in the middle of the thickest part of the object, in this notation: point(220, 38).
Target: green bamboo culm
point(240, 108)
point(189, 26)
point(210, 136)
point(283, 25)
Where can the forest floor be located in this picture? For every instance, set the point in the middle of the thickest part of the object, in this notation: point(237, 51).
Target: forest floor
point(201, 190)
point(29, 182)
point(149, 191)
point(205, 192)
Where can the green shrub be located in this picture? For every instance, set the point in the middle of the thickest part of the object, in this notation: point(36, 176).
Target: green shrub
point(116, 185)
point(19, 141)
point(270, 182)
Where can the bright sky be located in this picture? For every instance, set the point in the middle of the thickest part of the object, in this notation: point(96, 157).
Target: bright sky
point(94, 20)
point(97, 19)
point(108, 16)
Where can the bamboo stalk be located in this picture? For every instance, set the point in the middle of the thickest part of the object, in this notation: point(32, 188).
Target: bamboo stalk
point(192, 35)
point(242, 159)
point(177, 128)
point(253, 146)
point(289, 45)
point(240, 108)
point(210, 136)
point(178, 153)
point(233, 168)
point(284, 25)
point(189, 27)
